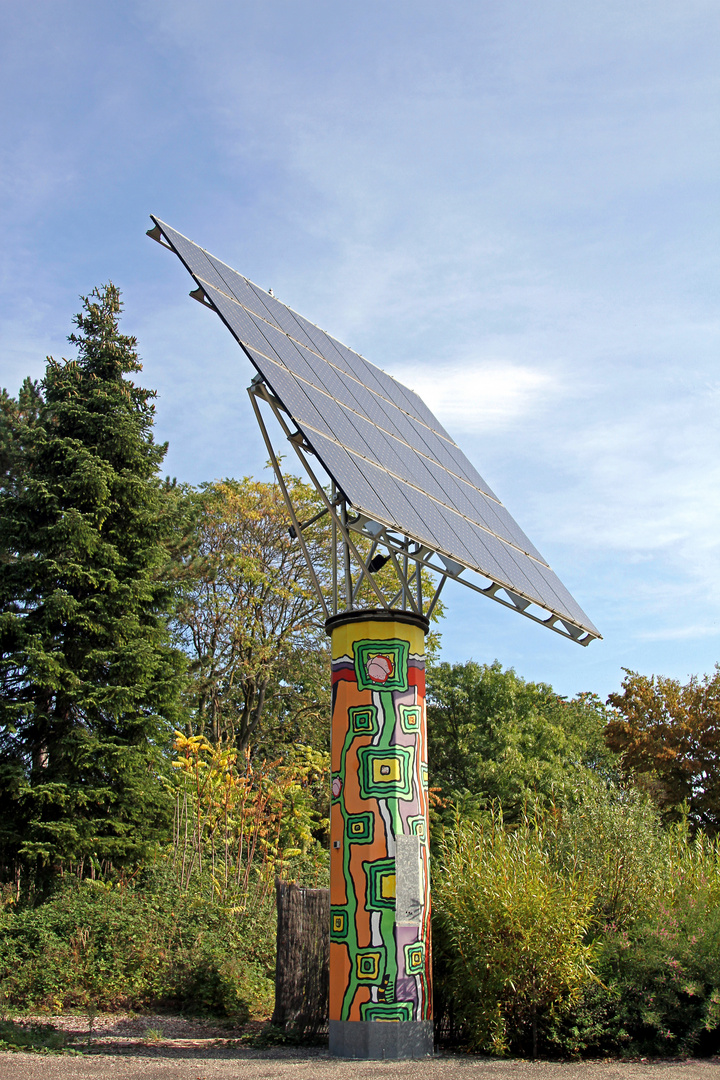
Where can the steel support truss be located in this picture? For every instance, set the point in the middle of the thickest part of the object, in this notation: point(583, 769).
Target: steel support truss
point(401, 550)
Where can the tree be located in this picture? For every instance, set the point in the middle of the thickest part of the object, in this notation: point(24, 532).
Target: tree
point(669, 737)
point(88, 678)
point(249, 619)
point(493, 737)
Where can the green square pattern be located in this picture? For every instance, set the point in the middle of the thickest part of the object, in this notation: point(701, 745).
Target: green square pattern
point(396, 1011)
point(363, 720)
point(415, 958)
point(424, 776)
point(385, 774)
point(410, 718)
point(380, 884)
point(390, 670)
point(359, 828)
point(369, 965)
point(418, 827)
point(338, 924)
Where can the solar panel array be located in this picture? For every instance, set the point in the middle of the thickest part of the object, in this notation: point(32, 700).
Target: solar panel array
point(386, 452)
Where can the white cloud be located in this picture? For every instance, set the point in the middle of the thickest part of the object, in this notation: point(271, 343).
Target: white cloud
point(679, 633)
point(480, 396)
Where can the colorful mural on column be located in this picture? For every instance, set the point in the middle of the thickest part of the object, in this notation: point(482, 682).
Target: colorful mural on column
point(379, 883)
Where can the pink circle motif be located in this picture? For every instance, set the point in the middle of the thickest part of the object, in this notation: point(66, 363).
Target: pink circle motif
point(336, 786)
point(380, 668)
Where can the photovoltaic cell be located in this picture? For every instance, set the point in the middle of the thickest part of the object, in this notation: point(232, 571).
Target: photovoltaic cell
point(341, 465)
point(386, 452)
point(286, 389)
point(236, 286)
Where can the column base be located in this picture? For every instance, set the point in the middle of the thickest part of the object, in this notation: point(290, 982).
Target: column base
point(376, 1040)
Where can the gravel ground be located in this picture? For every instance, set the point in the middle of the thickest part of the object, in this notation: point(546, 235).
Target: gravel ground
point(175, 1048)
point(120, 1032)
point(214, 1064)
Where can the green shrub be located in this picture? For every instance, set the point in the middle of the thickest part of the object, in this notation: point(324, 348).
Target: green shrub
point(658, 993)
point(659, 988)
point(36, 1038)
point(586, 933)
point(510, 932)
point(612, 837)
point(104, 946)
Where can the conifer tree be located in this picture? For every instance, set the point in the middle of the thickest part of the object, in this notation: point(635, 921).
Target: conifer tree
point(89, 682)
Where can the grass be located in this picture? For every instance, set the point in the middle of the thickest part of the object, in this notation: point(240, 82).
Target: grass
point(35, 1038)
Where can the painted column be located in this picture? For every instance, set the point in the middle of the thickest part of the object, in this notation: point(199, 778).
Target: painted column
point(380, 962)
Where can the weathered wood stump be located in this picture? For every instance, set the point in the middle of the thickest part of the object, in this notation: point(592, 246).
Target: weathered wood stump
point(303, 957)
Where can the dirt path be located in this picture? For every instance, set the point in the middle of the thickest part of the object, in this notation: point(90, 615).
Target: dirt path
point(217, 1064)
point(162, 1047)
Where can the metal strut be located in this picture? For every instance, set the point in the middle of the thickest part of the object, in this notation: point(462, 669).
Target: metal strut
point(410, 593)
point(259, 389)
point(288, 502)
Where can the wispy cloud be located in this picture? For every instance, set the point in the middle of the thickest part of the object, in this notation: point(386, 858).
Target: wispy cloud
point(468, 397)
point(680, 633)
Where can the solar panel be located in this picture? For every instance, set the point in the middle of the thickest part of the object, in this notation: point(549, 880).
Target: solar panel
point(386, 452)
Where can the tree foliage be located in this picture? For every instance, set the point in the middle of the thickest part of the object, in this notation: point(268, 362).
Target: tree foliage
point(495, 738)
point(88, 677)
point(249, 619)
point(239, 823)
point(669, 737)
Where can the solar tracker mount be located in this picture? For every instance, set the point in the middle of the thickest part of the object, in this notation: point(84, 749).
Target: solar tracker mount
point(398, 489)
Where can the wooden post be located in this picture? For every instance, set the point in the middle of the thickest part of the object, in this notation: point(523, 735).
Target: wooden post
point(301, 968)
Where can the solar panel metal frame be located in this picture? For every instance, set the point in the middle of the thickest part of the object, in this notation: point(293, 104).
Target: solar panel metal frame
point(296, 380)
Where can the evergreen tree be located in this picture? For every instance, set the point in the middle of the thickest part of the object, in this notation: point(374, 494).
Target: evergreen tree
point(88, 678)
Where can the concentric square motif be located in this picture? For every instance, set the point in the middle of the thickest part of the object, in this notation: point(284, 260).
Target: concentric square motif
point(381, 884)
point(338, 924)
point(418, 827)
point(381, 665)
point(415, 958)
point(394, 1012)
point(363, 720)
point(359, 828)
point(410, 718)
point(385, 774)
point(369, 965)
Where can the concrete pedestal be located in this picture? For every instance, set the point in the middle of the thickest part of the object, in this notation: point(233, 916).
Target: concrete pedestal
point(370, 1040)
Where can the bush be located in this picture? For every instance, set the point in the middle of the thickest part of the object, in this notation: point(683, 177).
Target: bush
point(584, 933)
point(33, 1038)
point(657, 994)
point(99, 946)
point(659, 971)
point(510, 933)
point(612, 837)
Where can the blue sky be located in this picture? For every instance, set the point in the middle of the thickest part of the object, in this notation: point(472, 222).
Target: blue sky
point(512, 206)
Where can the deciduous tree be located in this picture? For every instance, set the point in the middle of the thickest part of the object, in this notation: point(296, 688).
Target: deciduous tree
point(668, 734)
point(493, 737)
point(249, 620)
